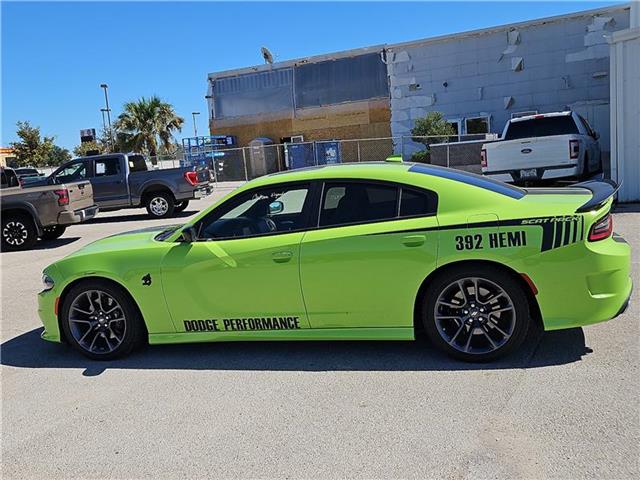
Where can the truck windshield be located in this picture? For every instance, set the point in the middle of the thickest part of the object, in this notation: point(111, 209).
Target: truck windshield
point(541, 127)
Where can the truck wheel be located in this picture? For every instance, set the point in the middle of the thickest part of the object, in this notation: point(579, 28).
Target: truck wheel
point(475, 313)
point(182, 206)
point(18, 232)
point(100, 320)
point(52, 232)
point(160, 205)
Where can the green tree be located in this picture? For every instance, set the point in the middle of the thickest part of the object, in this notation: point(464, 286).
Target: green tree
point(436, 129)
point(31, 150)
point(147, 126)
point(58, 156)
point(85, 148)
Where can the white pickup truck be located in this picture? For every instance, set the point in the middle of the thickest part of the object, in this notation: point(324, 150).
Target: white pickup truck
point(543, 147)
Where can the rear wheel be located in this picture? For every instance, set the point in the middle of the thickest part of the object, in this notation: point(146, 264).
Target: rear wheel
point(52, 232)
point(18, 232)
point(182, 206)
point(160, 204)
point(476, 313)
point(101, 321)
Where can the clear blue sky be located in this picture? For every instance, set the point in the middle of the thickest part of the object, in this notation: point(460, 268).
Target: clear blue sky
point(55, 55)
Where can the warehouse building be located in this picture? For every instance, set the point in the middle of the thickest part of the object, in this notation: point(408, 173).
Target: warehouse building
point(478, 80)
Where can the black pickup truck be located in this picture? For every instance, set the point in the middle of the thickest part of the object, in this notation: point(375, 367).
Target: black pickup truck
point(123, 181)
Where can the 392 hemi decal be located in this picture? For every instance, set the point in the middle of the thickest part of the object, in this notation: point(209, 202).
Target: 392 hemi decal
point(495, 240)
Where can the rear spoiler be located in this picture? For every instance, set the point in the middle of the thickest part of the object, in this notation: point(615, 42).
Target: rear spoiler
point(601, 191)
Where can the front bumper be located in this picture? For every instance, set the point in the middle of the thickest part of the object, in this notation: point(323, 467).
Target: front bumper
point(77, 216)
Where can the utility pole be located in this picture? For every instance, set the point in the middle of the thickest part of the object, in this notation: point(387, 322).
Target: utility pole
point(195, 127)
point(108, 110)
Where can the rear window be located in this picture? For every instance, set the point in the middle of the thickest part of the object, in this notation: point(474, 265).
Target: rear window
point(414, 203)
point(541, 127)
point(470, 179)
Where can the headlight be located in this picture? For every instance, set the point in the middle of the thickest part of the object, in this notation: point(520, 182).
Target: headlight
point(47, 282)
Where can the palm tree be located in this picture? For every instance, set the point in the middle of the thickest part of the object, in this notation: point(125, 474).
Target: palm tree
point(146, 124)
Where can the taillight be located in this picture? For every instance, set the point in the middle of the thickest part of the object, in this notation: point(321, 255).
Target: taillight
point(483, 158)
point(63, 196)
point(574, 149)
point(601, 229)
point(191, 177)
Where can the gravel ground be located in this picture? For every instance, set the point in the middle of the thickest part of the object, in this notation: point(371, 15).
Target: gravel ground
point(566, 406)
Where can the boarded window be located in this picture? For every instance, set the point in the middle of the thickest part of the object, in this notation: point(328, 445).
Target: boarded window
point(255, 93)
point(343, 80)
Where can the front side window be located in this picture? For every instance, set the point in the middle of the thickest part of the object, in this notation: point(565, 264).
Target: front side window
point(347, 203)
point(277, 209)
point(71, 173)
point(107, 166)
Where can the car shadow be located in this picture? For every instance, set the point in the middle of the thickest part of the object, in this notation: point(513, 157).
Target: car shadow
point(58, 242)
point(539, 350)
point(136, 217)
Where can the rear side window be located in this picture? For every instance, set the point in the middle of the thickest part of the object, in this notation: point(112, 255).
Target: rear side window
point(137, 163)
point(541, 127)
point(107, 167)
point(347, 203)
point(415, 203)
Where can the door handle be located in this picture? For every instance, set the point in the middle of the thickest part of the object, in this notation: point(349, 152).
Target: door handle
point(414, 240)
point(282, 257)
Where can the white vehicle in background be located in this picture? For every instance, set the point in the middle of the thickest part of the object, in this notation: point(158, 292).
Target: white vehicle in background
point(549, 146)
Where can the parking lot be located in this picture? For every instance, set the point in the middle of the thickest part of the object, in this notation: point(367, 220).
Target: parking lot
point(565, 406)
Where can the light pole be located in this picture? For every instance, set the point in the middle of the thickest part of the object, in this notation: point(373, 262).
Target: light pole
point(104, 124)
point(195, 127)
point(108, 110)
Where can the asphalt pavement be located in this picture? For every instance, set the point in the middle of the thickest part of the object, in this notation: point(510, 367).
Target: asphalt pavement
point(566, 406)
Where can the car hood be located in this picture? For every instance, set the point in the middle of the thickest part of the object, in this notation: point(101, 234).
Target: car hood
point(131, 240)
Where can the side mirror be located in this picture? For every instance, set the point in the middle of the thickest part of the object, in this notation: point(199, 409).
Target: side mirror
point(189, 234)
point(276, 207)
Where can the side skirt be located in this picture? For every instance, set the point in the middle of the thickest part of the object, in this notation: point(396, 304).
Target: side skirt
point(395, 333)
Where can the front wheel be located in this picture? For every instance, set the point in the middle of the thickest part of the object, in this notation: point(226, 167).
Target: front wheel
point(476, 313)
point(52, 232)
point(101, 321)
point(160, 204)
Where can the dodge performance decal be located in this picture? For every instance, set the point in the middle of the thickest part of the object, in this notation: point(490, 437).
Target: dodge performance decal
point(240, 324)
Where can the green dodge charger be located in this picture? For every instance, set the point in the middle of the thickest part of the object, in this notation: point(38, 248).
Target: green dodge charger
point(372, 251)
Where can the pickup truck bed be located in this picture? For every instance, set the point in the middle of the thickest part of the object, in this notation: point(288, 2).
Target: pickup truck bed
point(124, 181)
point(43, 212)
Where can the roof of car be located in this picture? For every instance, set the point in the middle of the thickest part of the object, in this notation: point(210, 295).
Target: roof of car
point(387, 170)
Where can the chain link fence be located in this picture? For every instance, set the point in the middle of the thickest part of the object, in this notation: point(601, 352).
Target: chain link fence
point(245, 163)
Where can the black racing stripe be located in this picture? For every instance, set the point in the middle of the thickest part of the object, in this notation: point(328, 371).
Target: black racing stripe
point(547, 236)
point(567, 231)
point(558, 234)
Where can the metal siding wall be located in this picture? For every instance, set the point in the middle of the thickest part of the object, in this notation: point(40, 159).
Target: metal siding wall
point(480, 76)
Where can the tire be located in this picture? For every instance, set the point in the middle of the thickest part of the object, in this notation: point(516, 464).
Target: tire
point(18, 232)
point(95, 332)
point(182, 206)
point(473, 334)
point(52, 232)
point(160, 204)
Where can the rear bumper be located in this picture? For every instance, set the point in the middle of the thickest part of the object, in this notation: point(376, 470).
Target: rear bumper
point(77, 216)
point(584, 284)
point(202, 192)
point(542, 173)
